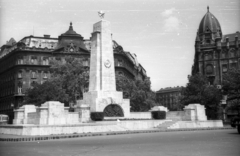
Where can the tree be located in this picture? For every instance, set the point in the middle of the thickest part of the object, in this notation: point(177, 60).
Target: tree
point(231, 87)
point(142, 98)
point(69, 79)
point(48, 91)
point(199, 91)
point(72, 75)
point(231, 84)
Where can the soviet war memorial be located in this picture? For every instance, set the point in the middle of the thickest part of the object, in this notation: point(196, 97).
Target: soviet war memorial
point(68, 88)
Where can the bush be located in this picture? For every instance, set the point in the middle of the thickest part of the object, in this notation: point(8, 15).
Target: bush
point(97, 116)
point(159, 114)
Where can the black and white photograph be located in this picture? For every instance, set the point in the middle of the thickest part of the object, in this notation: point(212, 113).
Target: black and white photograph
point(119, 77)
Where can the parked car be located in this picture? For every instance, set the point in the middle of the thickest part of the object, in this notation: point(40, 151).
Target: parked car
point(235, 122)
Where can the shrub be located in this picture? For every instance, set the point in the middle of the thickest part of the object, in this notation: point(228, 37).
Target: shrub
point(97, 116)
point(159, 114)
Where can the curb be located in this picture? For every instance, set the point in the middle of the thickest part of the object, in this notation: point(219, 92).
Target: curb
point(54, 137)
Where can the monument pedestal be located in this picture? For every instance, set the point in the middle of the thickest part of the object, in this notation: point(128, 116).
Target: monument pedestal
point(21, 114)
point(99, 100)
point(195, 112)
point(84, 112)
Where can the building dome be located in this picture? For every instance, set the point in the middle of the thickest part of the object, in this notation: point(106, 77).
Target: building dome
point(71, 39)
point(209, 24)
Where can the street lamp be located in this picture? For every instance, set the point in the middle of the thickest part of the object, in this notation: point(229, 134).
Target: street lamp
point(224, 104)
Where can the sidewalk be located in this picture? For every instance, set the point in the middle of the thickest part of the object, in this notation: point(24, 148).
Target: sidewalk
point(20, 138)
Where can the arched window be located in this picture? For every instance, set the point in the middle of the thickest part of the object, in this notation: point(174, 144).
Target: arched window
point(232, 52)
point(209, 69)
point(224, 53)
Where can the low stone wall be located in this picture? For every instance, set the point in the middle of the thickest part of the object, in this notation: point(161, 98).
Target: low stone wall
point(80, 128)
point(50, 113)
point(140, 115)
point(107, 126)
point(197, 124)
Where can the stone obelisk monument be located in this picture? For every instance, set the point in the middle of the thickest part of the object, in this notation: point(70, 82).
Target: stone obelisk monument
point(102, 82)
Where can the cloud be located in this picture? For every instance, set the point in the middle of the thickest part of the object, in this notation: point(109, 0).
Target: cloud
point(171, 22)
point(168, 12)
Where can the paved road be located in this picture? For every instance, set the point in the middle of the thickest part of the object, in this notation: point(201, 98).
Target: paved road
point(181, 143)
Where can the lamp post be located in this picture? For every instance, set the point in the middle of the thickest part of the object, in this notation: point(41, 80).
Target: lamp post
point(224, 104)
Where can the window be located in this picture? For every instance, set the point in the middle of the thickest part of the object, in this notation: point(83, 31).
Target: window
point(33, 60)
point(120, 62)
point(19, 87)
point(215, 54)
point(33, 75)
point(208, 41)
point(45, 61)
point(200, 56)
point(86, 62)
point(45, 75)
point(210, 56)
point(232, 52)
point(206, 56)
point(224, 54)
point(20, 74)
point(224, 68)
point(209, 69)
point(20, 61)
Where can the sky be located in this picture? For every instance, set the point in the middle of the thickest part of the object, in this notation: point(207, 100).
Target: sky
point(160, 32)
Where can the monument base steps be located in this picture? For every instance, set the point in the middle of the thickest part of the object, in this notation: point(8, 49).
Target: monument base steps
point(166, 125)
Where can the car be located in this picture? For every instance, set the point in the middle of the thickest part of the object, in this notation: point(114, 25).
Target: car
point(235, 122)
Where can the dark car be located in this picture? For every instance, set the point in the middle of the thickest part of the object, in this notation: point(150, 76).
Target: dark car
point(235, 122)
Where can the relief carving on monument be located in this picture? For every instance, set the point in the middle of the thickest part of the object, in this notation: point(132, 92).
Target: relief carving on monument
point(107, 64)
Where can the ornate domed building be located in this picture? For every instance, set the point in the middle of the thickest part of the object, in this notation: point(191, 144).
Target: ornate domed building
point(26, 62)
point(215, 53)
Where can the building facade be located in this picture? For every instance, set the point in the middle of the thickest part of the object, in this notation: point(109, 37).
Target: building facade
point(215, 53)
point(26, 62)
point(170, 97)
